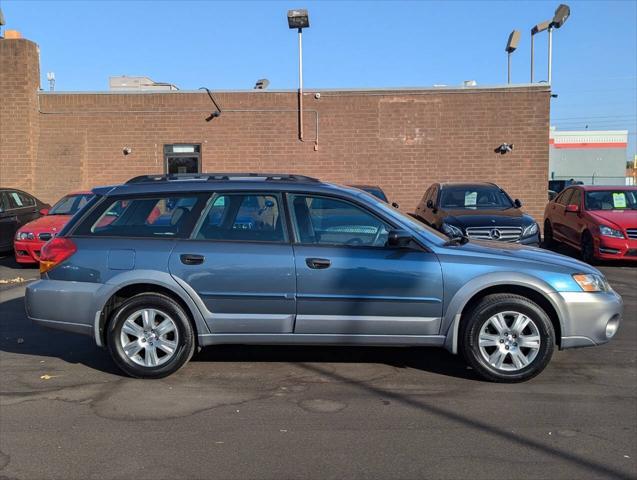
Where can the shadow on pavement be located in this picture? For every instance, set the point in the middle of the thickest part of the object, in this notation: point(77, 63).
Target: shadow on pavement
point(19, 335)
point(434, 360)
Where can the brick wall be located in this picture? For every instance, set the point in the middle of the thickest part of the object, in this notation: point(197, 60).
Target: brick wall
point(401, 140)
point(19, 83)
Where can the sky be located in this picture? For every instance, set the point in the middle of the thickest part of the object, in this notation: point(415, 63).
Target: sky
point(360, 44)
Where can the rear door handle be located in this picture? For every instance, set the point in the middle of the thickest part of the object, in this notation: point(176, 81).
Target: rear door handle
point(318, 263)
point(191, 259)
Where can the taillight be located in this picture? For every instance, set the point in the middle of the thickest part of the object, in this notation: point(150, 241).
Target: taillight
point(54, 252)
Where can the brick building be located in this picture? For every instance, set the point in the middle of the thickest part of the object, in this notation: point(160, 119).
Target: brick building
point(400, 139)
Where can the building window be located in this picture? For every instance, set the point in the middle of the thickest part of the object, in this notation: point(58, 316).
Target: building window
point(182, 158)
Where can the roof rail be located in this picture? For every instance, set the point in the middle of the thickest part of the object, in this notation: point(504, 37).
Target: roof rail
point(215, 177)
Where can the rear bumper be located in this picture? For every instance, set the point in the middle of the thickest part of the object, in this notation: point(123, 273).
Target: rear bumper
point(52, 304)
point(587, 317)
point(27, 251)
point(607, 248)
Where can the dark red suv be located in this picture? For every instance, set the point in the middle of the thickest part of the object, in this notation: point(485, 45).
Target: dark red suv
point(601, 221)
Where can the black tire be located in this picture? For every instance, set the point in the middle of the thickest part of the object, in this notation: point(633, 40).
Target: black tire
point(549, 240)
point(587, 248)
point(475, 323)
point(184, 338)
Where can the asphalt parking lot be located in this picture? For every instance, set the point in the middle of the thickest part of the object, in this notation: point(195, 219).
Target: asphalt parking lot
point(311, 412)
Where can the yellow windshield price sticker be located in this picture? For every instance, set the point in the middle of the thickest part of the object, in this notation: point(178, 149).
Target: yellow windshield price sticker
point(619, 200)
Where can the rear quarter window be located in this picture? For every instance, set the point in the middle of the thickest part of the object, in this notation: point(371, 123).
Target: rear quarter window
point(144, 217)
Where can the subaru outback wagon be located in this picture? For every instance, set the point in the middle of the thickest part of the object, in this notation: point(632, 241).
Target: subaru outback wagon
point(163, 265)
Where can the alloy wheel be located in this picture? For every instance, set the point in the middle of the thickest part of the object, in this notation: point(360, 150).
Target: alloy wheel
point(509, 341)
point(149, 337)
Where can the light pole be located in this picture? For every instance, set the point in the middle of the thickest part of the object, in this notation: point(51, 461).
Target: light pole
point(561, 15)
point(512, 44)
point(540, 27)
point(299, 19)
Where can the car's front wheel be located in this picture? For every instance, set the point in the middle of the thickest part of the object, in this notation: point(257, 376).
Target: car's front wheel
point(507, 338)
point(150, 336)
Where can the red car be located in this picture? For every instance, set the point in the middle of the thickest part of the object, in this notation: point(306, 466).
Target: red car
point(31, 236)
point(599, 221)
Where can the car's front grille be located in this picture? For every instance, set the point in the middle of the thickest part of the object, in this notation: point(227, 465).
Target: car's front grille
point(632, 232)
point(45, 237)
point(503, 234)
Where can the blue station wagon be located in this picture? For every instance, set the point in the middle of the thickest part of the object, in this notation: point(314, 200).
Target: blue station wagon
point(163, 265)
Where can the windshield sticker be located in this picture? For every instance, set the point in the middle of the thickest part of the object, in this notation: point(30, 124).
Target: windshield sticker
point(619, 200)
point(470, 199)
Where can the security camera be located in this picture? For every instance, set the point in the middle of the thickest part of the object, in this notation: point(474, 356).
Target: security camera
point(127, 150)
point(504, 148)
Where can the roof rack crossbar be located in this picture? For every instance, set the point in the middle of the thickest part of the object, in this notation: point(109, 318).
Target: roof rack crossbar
point(215, 177)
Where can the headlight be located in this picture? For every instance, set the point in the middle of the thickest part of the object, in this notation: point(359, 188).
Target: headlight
point(530, 230)
point(591, 282)
point(452, 231)
point(610, 232)
point(24, 236)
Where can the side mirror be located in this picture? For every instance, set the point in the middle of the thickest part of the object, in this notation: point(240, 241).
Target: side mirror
point(399, 239)
point(572, 208)
point(430, 204)
point(44, 211)
point(517, 203)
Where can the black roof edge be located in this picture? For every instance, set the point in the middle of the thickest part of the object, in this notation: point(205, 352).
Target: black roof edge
point(215, 177)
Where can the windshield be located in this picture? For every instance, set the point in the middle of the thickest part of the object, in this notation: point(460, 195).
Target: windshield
point(70, 204)
point(473, 197)
point(611, 200)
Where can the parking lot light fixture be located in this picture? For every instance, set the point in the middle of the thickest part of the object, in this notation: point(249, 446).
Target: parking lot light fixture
point(299, 19)
point(540, 27)
point(561, 15)
point(512, 44)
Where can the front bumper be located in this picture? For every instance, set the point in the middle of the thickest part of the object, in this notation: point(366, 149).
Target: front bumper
point(533, 240)
point(69, 306)
point(587, 317)
point(27, 251)
point(608, 248)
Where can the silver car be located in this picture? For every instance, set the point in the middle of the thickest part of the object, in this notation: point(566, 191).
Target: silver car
point(161, 266)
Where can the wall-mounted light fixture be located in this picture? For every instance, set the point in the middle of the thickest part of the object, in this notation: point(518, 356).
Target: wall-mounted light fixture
point(504, 148)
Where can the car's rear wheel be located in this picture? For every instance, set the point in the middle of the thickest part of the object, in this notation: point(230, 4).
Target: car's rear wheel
point(507, 338)
point(549, 240)
point(587, 248)
point(150, 336)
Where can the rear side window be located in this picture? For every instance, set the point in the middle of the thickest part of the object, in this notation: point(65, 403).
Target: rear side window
point(243, 217)
point(4, 202)
point(150, 217)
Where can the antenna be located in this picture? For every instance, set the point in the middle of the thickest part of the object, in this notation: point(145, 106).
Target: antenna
point(50, 76)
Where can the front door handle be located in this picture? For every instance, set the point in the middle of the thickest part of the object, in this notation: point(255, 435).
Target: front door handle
point(191, 259)
point(318, 263)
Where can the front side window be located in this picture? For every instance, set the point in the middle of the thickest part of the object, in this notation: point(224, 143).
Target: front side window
point(70, 204)
point(246, 217)
point(611, 200)
point(329, 221)
point(472, 197)
point(169, 217)
point(21, 200)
